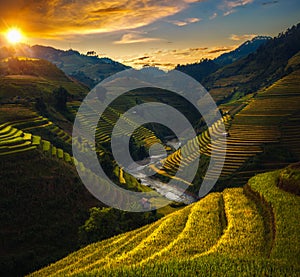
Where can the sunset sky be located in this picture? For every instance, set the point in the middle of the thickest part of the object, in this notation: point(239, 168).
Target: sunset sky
point(137, 32)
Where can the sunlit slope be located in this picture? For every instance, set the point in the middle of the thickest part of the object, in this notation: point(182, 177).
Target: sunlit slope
point(29, 121)
point(251, 230)
point(14, 141)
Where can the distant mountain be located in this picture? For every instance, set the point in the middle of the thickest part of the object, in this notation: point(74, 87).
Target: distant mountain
point(88, 69)
point(242, 51)
point(273, 60)
point(29, 78)
point(206, 67)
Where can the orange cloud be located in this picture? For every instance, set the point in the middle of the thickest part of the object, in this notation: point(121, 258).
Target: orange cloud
point(135, 38)
point(62, 17)
point(218, 50)
point(168, 59)
point(242, 37)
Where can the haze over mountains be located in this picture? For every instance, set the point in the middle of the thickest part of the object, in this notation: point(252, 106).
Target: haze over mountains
point(88, 69)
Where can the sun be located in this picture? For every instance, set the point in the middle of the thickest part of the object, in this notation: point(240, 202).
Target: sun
point(14, 35)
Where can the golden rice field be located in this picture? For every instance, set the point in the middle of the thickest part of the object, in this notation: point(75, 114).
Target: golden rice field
point(13, 141)
point(251, 231)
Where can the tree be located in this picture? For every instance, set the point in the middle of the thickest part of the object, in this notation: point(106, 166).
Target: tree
point(107, 222)
point(41, 106)
point(60, 98)
point(91, 53)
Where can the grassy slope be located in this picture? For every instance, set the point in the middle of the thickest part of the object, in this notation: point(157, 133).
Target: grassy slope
point(269, 120)
point(251, 231)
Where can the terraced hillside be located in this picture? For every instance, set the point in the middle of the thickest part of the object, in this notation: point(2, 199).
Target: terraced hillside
point(262, 134)
point(14, 141)
point(107, 123)
point(28, 120)
point(144, 135)
point(25, 130)
point(269, 121)
point(42, 178)
point(42, 198)
point(251, 231)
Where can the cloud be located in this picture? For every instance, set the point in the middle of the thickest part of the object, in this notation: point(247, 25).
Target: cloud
point(219, 50)
point(193, 1)
point(61, 17)
point(169, 58)
point(229, 12)
point(143, 58)
point(184, 22)
point(230, 7)
point(269, 3)
point(237, 3)
point(213, 16)
point(242, 37)
point(189, 51)
point(135, 38)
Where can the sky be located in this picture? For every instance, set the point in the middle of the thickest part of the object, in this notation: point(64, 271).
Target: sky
point(160, 33)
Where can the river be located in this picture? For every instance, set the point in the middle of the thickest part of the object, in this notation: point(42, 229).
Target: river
point(164, 189)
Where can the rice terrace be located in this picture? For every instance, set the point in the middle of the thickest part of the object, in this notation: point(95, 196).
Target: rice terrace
point(56, 217)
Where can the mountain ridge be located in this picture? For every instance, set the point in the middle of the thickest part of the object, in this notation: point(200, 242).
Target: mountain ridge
point(205, 67)
point(259, 69)
point(248, 47)
point(89, 69)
